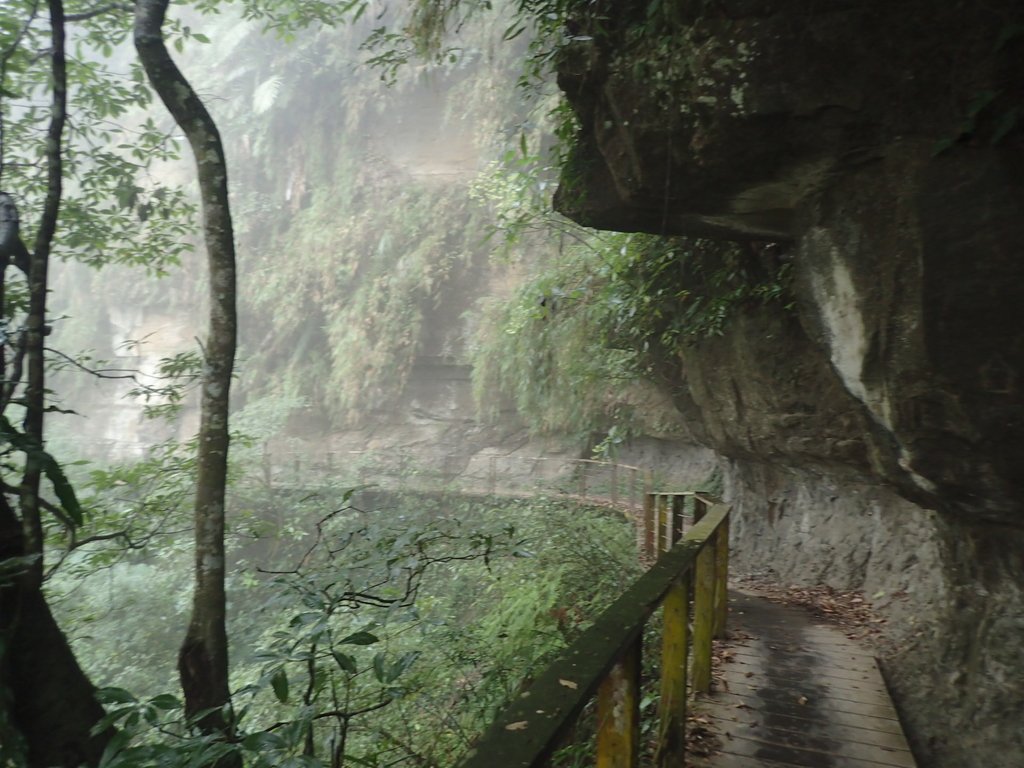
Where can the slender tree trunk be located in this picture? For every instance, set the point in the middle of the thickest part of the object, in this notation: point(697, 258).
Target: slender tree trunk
point(35, 324)
point(45, 698)
point(203, 659)
point(46, 701)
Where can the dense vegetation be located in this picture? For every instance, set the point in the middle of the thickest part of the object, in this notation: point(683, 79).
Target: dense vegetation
point(382, 633)
point(344, 627)
point(604, 315)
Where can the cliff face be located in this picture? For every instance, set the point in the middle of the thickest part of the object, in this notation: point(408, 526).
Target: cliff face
point(875, 431)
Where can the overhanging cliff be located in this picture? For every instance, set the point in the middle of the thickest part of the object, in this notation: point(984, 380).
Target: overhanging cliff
point(874, 432)
point(882, 141)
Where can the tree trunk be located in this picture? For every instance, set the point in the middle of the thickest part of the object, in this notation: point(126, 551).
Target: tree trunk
point(35, 323)
point(47, 704)
point(203, 659)
point(44, 694)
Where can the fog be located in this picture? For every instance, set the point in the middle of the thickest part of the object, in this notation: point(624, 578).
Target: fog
point(363, 249)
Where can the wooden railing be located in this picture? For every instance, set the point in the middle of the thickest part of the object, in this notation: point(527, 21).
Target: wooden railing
point(620, 485)
point(605, 660)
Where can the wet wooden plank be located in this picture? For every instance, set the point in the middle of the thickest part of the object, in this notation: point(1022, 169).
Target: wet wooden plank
point(891, 739)
point(843, 689)
point(797, 664)
point(760, 753)
point(798, 693)
point(796, 702)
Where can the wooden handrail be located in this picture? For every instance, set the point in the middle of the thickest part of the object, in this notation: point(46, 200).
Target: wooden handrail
point(605, 660)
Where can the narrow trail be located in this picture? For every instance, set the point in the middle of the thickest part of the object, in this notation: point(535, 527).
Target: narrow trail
point(798, 692)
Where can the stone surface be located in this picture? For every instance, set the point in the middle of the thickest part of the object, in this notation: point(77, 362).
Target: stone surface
point(951, 595)
point(874, 433)
point(765, 120)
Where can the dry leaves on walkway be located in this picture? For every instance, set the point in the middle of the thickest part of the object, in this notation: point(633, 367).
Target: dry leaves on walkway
point(848, 610)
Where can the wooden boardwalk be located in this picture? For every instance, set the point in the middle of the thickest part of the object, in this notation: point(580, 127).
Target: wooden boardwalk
point(799, 693)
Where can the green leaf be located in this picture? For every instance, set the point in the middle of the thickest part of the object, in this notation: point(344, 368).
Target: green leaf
point(360, 638)
point(400, 666)
point(165, 701)
point(263, 741)
point(1008, 33)
point(115, 696)
point(279, 682)
point(61, 486)
point(115, 745)
point(110, 719)
point(979, 102)
point(346, 662)
point(944, 145)
point(1007, 122)
point(380, 667)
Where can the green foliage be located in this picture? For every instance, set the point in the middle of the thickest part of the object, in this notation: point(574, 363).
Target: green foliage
point(115, 208)
point(350, 250)
point(607, 313)
point(397, 631)
point(70, 511)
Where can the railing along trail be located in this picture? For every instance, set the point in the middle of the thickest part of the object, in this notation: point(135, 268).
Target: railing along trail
point(605, 660)
point(588, 480)
point(687, 580)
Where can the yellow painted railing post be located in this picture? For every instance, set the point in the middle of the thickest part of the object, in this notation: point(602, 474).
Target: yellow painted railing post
point(650, 529)
point(618, 712)
point(606, 658)
point(662, 537)
point(721, 578)
point(703, 618)
point(672, 706)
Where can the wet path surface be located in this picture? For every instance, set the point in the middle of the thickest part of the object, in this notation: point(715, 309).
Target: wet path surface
point(799, 693)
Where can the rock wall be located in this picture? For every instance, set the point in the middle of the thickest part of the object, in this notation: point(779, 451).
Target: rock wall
point(874, 433)
point(951, 596)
